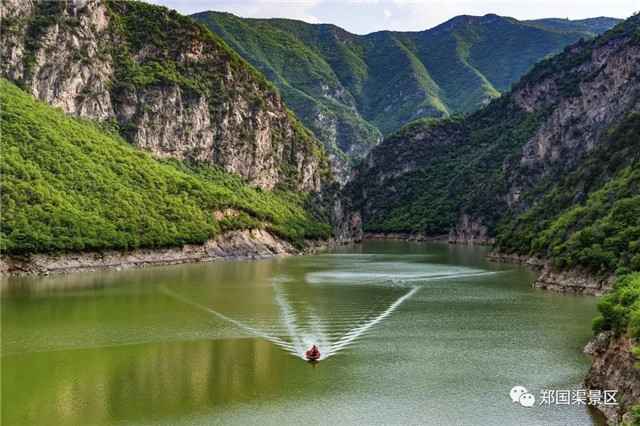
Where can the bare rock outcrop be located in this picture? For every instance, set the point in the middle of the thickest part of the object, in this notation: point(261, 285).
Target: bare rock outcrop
point(614, 368)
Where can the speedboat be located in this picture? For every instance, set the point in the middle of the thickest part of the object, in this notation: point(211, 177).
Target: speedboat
point(313, 354)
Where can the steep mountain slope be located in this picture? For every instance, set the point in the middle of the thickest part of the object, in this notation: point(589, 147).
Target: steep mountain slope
point(168, 84)
point(564, 133)
point(588, 218)
point(615, 352)
point(68, 185)
point(348, 89)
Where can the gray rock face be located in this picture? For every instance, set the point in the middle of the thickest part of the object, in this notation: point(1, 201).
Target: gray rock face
point(64, 53)
point(470, 231)
point(613, 367)
point(609, 88)
point(347, 222)
point(15, 14)
point(572, 281)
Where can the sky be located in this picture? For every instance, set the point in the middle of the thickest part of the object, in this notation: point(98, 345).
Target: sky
point(365, 16)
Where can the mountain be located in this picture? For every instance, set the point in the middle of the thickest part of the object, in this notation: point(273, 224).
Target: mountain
point(168, 85)
point(351, 89)
point(468, 177)
point(550, 173)
point(70, 185)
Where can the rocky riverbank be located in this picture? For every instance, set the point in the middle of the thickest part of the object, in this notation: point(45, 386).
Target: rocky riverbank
point(246, 244)
point(613, 367)
point(572, 281)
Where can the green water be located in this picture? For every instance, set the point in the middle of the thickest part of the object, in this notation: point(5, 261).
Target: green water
point(412, 334)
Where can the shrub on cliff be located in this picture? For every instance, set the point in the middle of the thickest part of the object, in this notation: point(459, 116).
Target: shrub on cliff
point(620, 309)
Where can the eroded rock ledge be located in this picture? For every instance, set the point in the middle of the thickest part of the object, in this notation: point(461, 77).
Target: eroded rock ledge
point(246, 244)
point(613, 367)
point(572, 281)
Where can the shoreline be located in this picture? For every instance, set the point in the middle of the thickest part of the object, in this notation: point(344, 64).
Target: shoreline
point(232, 245)
point(569, 281)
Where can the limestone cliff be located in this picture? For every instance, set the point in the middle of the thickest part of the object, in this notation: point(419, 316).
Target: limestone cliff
point(167, 84)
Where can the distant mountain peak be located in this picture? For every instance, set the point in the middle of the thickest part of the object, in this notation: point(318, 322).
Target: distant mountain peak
point(349, 89)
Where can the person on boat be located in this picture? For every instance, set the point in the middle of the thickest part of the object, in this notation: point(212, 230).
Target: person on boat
point(313, 354)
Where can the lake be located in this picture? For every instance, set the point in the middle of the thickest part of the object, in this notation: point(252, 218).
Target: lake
point(410, 333)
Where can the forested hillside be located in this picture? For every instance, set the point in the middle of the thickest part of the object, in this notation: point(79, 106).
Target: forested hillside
point(68, 184)
point(351, 89)
point(550, 169)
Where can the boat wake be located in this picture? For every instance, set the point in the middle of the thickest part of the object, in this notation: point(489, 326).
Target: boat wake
point(253, 331)
point(301, 339)
point(314, 331)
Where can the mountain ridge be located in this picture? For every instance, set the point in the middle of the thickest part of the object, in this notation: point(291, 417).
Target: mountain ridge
point(358, 88)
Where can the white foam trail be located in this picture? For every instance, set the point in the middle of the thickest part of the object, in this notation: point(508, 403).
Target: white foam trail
point(289, 318)
point(356, 332)
point(301, 341)
point(319, 333)
point(447, 277)
point(275, 340)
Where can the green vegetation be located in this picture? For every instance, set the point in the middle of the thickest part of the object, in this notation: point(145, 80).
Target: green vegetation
point(67, 184)
point(378, 82)
point(456, 165)
point(620, 314)
point(581, 213)
point(138, 25)
point(591, 217)
point(307, 82)
point(620, 309)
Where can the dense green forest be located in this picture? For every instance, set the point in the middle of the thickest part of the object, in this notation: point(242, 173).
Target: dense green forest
point(620, 309)
point(68, 184)
point(456, 164)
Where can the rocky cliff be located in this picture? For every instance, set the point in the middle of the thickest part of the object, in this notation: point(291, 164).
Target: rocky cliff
point(164, 82)
point(246, 244)
point(614, 368)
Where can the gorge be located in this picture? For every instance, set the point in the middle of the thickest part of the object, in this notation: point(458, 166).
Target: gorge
point(133, 136)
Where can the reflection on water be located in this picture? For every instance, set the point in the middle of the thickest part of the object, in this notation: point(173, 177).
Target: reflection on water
point(425, 333)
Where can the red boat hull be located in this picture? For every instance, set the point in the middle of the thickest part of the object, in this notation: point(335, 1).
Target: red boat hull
point(312, 355)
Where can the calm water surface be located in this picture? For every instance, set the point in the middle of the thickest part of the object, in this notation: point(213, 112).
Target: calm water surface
point(410, 334)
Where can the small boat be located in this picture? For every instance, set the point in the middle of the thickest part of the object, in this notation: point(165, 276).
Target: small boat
point(313, 354)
